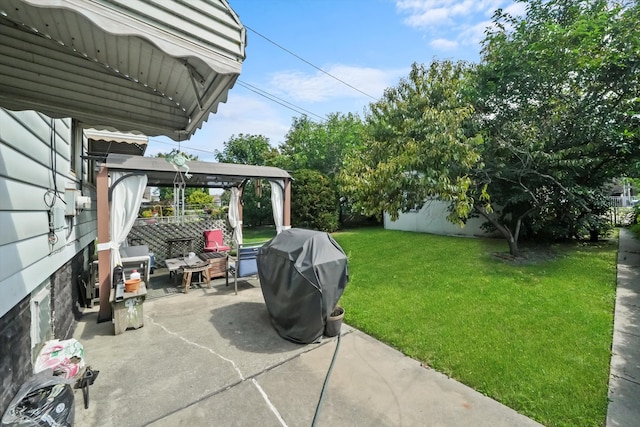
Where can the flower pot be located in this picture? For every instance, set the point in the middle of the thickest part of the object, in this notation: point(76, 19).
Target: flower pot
point(131, 285)
point(334, 322)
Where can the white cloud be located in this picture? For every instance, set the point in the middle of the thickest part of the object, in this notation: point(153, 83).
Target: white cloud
point(242, 113)
point(516, 9)
point(457, 23)
point(444, 44)
point(320, 87)
point(431, 14)
point(474, 34)
point(428, 18)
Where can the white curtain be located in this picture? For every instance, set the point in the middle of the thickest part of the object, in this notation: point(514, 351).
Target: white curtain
point(234, 215)
point(125, 204)
point(277, 204)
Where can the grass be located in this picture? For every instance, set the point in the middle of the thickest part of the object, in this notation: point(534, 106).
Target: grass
point(535, 336)
point(258, 234)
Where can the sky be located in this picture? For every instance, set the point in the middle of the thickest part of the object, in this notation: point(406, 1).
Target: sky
point(327, 56)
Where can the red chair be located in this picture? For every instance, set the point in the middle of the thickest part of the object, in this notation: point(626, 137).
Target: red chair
point(214, 241)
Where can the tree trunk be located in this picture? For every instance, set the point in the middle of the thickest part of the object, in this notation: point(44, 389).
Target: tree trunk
point(506, 233)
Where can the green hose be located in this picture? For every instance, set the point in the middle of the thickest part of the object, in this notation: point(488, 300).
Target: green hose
point(326, 381)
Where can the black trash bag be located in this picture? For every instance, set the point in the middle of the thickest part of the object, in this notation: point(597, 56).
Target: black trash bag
point(303, 274)
point(43, 400)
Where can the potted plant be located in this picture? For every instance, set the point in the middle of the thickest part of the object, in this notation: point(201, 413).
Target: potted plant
point(334, 322)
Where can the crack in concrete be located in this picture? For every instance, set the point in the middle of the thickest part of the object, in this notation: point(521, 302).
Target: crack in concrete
point(243, 379)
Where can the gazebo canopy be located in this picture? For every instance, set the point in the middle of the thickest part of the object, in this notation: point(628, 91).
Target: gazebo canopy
point(161, 173)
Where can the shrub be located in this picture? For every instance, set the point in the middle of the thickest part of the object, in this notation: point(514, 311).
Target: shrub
point(314, 201)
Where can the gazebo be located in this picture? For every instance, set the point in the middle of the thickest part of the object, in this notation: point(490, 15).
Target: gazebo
point(123, 178)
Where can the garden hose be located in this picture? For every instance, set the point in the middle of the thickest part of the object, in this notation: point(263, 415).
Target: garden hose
point(326, 381)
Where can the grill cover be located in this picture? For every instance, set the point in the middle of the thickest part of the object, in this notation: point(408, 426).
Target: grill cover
point(302, 275)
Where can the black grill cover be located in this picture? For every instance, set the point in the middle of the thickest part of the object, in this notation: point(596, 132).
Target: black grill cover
point(302, 275)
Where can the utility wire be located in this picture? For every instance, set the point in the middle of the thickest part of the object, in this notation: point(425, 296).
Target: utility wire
point(183, 146)
point(278, 100)
point(309, 63)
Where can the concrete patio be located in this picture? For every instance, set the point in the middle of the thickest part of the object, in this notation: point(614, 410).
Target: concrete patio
point(210, 357)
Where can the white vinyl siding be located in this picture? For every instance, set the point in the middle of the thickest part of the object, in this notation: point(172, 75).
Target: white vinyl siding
point(27, 257)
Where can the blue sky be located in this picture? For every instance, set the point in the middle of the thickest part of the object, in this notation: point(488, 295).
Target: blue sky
point(369, 44)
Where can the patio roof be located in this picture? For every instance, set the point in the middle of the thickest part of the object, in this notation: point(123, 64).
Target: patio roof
point(157, 68)
point(161, 173)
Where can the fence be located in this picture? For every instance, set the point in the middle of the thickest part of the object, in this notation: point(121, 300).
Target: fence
point(154, 232)
point(622, 201)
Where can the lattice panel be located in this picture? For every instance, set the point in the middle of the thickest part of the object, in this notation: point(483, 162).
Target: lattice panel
point(156, 235)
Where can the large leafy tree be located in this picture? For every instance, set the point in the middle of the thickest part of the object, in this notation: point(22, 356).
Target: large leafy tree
point(558, 101)
point(323, 146)
point(421, 143)
point(256, 197)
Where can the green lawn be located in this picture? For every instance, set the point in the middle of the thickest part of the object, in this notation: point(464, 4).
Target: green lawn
point(258, 234)
point(534, 336)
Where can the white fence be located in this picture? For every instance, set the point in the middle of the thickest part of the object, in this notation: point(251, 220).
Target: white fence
point(623, 201)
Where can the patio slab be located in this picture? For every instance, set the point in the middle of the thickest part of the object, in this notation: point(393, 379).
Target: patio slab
point(210, 357)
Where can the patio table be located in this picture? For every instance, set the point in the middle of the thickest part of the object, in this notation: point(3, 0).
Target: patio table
point(180, 242)
point(188, 265)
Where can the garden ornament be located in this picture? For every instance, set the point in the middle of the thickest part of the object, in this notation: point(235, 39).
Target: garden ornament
point(179, 160)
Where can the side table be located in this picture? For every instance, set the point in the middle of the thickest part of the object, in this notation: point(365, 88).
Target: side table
point(218, 264)
point(127, 312)
point(188, 272)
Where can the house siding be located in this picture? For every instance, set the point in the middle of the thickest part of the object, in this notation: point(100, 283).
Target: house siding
point(35, 162)
point(432, 218)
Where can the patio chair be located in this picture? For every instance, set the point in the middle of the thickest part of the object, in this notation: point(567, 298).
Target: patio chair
point(214, 241)
point(244, 263)
point(137, 258)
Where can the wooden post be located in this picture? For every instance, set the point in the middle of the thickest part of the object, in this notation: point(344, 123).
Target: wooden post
point(286, 207)
point(240, 191)
point(104, 237)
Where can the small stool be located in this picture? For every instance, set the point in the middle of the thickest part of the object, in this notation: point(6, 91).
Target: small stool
point(187, 274)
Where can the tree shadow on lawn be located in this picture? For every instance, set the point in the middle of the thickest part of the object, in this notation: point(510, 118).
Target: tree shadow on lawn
point(534, 253)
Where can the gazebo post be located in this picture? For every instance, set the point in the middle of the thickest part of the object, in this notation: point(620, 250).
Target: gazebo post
point(286, 207)
point(104, 247)
point(240, 191)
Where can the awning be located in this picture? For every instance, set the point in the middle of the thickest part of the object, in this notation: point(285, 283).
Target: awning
point(158, 68)
point(101, 143)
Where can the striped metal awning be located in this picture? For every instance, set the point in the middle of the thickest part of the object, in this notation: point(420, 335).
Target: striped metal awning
point(101, 143)
point(157, 68)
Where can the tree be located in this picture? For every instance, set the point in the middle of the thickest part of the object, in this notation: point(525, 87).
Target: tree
point(421, 143)
point(256, 197)
point(323, 147)
point(200, 198)
point(558, 104)
point(314, 202)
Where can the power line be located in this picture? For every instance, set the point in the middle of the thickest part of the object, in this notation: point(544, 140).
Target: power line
point(182, 146)
point(309, 63)
point(278, 100)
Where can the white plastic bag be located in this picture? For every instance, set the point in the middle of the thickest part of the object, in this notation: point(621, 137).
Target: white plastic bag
point(65, 358)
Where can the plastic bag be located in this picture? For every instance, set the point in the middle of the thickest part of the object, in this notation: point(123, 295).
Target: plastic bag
point(43, 400)
point(65, 357)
